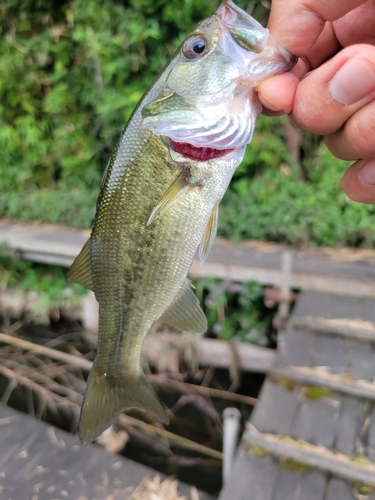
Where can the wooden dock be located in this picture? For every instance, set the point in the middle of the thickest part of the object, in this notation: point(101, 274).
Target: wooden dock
point(312, 435)
point(40, 462)
point(339, 271)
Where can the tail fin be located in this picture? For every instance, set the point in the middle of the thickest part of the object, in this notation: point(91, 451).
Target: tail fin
point(106, 398)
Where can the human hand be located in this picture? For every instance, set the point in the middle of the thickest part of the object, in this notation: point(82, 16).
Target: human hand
point(331, 91)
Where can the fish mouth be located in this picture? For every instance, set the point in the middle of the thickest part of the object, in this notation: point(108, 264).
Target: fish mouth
point(224, 119)
point(198, 153)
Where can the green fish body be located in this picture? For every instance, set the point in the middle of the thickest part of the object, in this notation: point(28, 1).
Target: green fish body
point(159, 200)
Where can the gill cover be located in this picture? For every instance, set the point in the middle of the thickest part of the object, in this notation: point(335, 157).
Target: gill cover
point(207, 99)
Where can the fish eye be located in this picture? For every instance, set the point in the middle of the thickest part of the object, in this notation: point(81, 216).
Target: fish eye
point(195, 46)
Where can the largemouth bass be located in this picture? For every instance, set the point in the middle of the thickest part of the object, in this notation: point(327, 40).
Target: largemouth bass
point(159, 198)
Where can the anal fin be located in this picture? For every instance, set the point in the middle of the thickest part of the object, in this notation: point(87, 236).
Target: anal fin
point(179, 187)
point(185, 313)
point(80, 272)
point(209, 235)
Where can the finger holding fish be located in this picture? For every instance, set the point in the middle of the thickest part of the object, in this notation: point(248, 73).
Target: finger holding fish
point(336, 95)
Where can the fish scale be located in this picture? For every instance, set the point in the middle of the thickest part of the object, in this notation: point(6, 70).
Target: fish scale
point(157, 205)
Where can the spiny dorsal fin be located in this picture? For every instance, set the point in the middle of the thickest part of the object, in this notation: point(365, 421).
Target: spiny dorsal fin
point(80, 272)
point(185, 313)
point(179, 187)
point(209, 235)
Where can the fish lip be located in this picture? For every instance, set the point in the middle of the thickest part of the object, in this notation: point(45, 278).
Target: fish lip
point(231, 16)
point(229, 12)
point(288, 56)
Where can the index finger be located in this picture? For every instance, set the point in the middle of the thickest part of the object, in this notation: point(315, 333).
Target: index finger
point(297, 24)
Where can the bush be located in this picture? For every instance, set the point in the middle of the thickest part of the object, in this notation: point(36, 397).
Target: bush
point(71, 73)
point(236, 311)
point(279, 205)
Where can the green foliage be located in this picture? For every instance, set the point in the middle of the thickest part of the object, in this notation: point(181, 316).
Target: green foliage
point(49, 282)
point(71, 73)
point(278, 206)
point(235, 314)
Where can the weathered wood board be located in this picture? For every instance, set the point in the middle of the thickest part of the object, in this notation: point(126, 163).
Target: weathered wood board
point(264, 417)
point(315, 421)
point(299, 485)
point(252, 478)
point(341, 271)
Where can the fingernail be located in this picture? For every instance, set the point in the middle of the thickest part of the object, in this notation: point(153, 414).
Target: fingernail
point(353, 81)
point(367, 173)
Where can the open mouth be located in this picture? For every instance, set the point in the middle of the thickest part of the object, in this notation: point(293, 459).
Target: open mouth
point(198, 153)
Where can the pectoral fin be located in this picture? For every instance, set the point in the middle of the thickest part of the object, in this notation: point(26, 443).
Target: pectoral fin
point(185, 313)
point(179, 187)
point(80, 272)
point(209, 235)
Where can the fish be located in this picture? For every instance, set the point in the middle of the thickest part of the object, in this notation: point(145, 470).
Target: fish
point(159, 198)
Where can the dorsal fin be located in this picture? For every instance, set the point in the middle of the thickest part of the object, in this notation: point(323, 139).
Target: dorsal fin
point(185, 313)
point(209, 235)
point(80, 272)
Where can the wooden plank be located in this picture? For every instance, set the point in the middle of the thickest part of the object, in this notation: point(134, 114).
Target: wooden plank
point(358, 329)
point(370, 449)
point(344, 272)
point(252, 477)
point(347, 262)
point(353, 415)
point(363, 287)
point(45, 243)
point(210, 352)
point(329, 307)
point(362, 365)
point(331, 351)
point(320, 376)
point(343, 307)
point(286, 484)
point(333, 314)
point(277, 407)
point(294, 347)
point(310, 303)
point(311, 487)
point(299, 485)
point(310, 455)
point(337, 489)
point(367, 311)
point(316, 419)
point(37, 459)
